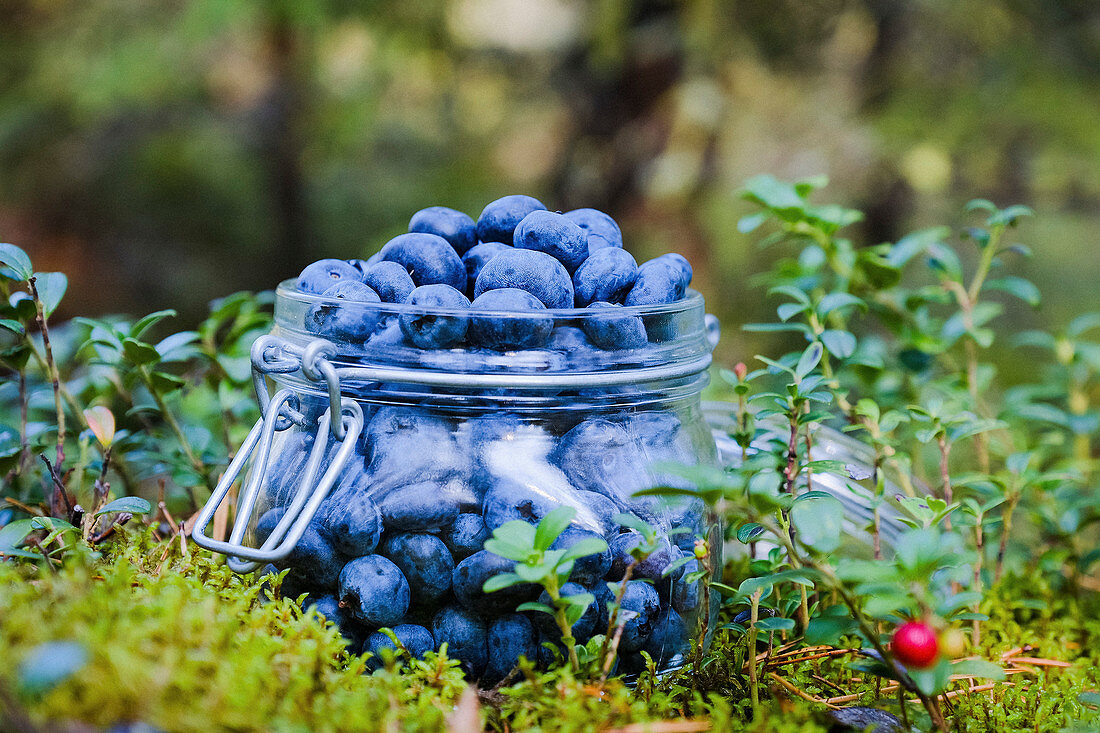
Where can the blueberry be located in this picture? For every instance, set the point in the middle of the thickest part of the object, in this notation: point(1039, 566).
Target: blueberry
point(428, 258)
point(685, 595)
point(509, 637)
point(375, 591)
point(601, 229)
point(568, 339)
point(315, 556)
point(424, 561)
point(387, 338)
point(433, 330)
point(323, 274)
point(587, 570)
point(454, 226)
point(502, 331)
point(423, 506)
point(638, 614)
point(607, 275)
point(603, 508)
point(360, 265)
point(416, 640)
point(614, 331)
point(498, 221)
point(669, 638)
point(598, 455)
point(508, 500)
point(475, 259)
point(536, 272)
point(652, 568)
point(470, 575)
point(404, 447)
point(604, 593)
point(267, 523)
point(466, 536)
point(465, 636)
point(680, 263)
point(352, 319)
point(390, 280)
point(557, 236)
point(351, 521)
point(659, 281)
point(329, 607)
point(582, 628)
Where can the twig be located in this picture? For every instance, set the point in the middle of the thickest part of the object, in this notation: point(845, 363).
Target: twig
point(55, 375)
point(804, 695)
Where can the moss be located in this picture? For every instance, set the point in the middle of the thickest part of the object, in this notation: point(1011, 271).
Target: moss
point(181, 643)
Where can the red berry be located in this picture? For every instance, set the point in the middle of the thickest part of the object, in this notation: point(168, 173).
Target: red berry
point(915, 645)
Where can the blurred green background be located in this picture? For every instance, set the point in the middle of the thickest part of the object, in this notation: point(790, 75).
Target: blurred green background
point(166, 152)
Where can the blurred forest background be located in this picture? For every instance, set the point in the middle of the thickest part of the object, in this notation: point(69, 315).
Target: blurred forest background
point(163, 153)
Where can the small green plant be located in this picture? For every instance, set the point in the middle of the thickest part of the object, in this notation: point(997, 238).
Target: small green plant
point(529, 546)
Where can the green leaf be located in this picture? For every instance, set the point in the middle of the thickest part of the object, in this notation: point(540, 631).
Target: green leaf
point(500, 582)
point(750, 223)
point(146, 322)
point(1009, 215)
point(532, 606)
point(584, 548)
point(829, 629)
point(772, 193)
point(979, 668)
point(835, 301)
point(747, 532)
point(932, 681)
point(552, 525)
point(12, 325)
point(50, 664)
point(819, 522)
point(752, 585)
point(17, 260)
point(1090, 699)
point(775, 623)
point(130, 504)
point(164, 382)
point(1023, 289)
point(51, 289)
point(631, 521)
point(840, 344)
point(139, 352)
point(786, 311)
point(809, 360)
point(12, 536)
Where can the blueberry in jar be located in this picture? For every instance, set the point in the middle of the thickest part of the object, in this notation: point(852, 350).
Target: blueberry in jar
point(554, 234)
point(375, 590)
point(469, 578)
point(404, 447)
point(321, 275)
point(416, 640)
point(475, 259)
point(351, 520)
point(454, 226)
point(614, 331)
point(424, 561)
point(601, 229)
point(495, 327)
point(466, 535)
point(390, 280)
point(669, 637)
point(509, 637)
point(329, 607)
point(429, 259)
point(315, 556)
point(430, 330)
point(498, 220)
point(423, 506)
point(536, 272)
point(653, 567)
point(658, 281)
point(464, 633)
point(589, 569)
point(607, 275)
point(353, 319)
point(638, 614)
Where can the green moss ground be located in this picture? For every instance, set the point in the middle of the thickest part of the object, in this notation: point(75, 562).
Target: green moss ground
point(185, 645)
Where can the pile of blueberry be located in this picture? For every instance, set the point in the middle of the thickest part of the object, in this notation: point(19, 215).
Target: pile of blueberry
point(398, 542)
point(489, 284)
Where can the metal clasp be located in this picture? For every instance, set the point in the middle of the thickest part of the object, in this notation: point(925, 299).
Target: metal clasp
point(307, 499)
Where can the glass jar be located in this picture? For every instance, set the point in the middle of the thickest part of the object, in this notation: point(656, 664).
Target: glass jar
point(381, 516)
